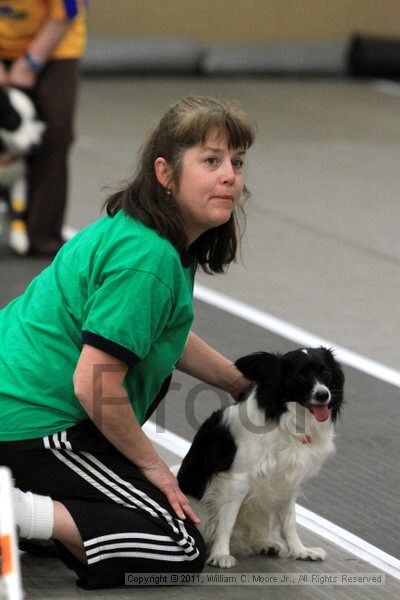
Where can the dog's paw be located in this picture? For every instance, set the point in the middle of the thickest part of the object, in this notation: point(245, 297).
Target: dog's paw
point(304, 553)
point(268, 548)
point(223, 561)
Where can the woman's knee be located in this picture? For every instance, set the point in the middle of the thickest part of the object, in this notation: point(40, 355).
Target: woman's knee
point(197, 564)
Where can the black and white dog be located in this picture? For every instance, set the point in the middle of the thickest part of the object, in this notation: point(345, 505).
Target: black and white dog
point(247, 461)
point(20, 132)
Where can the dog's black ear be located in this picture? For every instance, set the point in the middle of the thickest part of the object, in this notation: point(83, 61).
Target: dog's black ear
point(4, 100)
point(266, 370)
point(258, 365)
point(337, 383)
point(9, 117)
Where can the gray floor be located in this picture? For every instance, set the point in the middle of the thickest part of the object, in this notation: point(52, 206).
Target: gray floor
point(321, 251)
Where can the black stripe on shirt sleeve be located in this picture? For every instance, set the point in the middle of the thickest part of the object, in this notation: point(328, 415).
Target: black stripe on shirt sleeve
point(120, 352)
point(161, 394)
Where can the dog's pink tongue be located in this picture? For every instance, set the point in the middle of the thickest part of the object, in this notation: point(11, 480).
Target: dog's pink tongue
point(321, 413)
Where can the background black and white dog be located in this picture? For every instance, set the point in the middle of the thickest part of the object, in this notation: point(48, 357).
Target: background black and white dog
point(20, 132)
point(247, 461)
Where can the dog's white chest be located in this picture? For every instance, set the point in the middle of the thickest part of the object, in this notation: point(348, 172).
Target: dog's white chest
point(278, 463)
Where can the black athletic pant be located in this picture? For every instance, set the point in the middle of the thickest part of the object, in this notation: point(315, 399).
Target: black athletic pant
point(126, 523)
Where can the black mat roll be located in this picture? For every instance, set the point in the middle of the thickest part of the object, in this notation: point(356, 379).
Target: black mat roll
point(374, 57)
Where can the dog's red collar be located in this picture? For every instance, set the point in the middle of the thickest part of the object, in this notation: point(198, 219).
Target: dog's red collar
point(306, 439)
point(8, 159)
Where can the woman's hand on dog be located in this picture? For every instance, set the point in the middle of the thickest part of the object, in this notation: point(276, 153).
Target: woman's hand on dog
point(160, 475)
point(240, 387)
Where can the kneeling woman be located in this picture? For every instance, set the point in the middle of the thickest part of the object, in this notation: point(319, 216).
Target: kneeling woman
point(87, 353)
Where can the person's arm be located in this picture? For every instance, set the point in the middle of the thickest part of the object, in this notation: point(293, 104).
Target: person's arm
point(22, 73)
point(98, 380)
point(208, 365)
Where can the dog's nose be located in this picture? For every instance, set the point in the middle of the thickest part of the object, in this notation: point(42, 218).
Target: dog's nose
point(322, 396)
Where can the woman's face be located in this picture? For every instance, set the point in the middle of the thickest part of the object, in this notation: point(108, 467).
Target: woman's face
point(211, 183)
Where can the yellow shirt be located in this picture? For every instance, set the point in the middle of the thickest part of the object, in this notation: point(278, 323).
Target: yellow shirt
point(20, 21)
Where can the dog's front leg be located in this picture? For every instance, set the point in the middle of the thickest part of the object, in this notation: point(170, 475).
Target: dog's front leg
point(296, 549)
point(227, 501)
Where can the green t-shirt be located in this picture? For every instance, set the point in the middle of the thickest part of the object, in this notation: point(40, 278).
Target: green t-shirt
point(118, 286)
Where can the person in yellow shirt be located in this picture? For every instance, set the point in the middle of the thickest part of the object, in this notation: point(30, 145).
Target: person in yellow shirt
point(41, 42)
